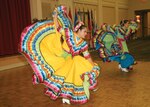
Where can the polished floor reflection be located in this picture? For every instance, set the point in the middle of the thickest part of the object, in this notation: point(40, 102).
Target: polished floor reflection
point(116, 88)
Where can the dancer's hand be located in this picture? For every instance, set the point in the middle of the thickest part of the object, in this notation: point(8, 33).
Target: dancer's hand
point(55, 13)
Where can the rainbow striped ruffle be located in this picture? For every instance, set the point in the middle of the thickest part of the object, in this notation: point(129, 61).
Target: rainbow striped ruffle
point(44, 72)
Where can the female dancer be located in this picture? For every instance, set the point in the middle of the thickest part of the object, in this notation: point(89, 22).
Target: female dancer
point(110, 41)
point(122, 36)
point(60, 58)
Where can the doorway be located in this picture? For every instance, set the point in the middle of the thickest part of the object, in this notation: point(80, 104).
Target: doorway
point(144, 17)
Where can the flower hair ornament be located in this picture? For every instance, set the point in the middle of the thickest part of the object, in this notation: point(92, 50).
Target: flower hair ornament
point(59, 10)
point(76, 28)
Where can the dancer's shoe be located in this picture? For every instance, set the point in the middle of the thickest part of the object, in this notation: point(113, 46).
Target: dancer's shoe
point(67, 101)
point(119, 66)
point(123, 69)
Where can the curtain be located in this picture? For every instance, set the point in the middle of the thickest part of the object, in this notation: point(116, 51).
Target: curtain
point(14, 17)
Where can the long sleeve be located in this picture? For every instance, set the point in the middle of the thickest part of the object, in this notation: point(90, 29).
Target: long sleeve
point(86, 54)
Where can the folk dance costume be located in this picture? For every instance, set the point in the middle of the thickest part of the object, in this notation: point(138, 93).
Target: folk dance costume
point(58, 65)
point(110, 41)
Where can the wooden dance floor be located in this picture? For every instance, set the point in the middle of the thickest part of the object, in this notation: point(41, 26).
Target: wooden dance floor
point(116, 88)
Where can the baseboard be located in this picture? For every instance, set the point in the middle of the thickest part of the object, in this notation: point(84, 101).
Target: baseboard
point(13, 66)
point(12, 62)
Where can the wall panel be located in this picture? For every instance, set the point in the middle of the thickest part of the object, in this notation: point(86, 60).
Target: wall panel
point(122, 14)
point(109, 15)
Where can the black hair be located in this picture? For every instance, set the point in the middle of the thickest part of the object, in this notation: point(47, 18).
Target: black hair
point(81, 27)
point(123, 22)
point(37, 20)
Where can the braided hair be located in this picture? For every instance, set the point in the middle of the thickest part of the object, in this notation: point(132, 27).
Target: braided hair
point(123, 22)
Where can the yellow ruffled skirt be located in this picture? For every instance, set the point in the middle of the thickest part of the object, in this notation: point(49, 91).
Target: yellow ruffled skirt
point(62, 74)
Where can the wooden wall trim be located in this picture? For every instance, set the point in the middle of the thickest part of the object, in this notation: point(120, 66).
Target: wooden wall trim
point(12, 62)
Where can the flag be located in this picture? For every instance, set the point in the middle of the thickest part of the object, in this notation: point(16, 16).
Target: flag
point(92, 23)
point(69, 14)
point(75, 17)
point(83, 16)
point(79, 15)
point(89, 21)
